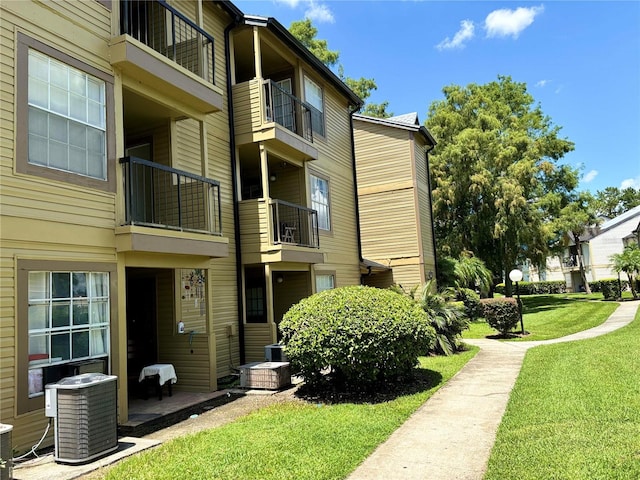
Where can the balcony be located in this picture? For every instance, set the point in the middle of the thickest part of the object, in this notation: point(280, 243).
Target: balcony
point(170, 211)
point(264, 112)
point(278, 231)
point(163, 49)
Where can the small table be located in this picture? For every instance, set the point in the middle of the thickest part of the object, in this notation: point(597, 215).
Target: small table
point(164, 373)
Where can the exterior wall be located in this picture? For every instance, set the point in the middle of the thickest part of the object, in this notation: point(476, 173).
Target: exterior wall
point(340, 245)
point(606, 244)
point(393, 194)
point(51, 220)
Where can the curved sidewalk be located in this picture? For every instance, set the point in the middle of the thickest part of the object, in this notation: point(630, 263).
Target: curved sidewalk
point(452, 434)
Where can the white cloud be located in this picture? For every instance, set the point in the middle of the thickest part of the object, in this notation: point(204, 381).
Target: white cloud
point(505, 22)
point(542, 83)
point(319, 12)
point(316, 11)
point(589, 176)
point(465, 33)
point(290, 3)
point(631, 183)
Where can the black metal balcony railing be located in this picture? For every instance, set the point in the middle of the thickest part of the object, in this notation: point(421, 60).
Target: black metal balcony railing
point(571, 261)
point(287, 110)
point(293, 224)
point(162, 28)
point(163, 197)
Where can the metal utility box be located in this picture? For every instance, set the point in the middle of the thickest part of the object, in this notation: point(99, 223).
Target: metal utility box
point(6, 452)
point(267, 375)
point(85, 411)
point(275, 353)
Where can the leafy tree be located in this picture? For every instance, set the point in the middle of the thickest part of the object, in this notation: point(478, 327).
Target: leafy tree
point(306, 33)
point(496, 177)
point(613, 201)
point(628, 262)
point(574, 221)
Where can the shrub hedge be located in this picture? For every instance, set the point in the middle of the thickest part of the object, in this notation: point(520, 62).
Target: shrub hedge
point(363, 335)
point(501, 314)
point(533, 288)
point(609, 287)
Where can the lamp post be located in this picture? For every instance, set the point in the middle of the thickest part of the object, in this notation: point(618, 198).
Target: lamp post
point(515, 275)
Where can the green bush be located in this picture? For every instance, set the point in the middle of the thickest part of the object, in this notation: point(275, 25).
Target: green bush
point(362, 335)
point(536, 288)
point(472, 305)
point(609, 287)
point(502, 314)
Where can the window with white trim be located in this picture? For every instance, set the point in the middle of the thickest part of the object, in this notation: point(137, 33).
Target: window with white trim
point(68, 316)
point(320, 201)
point(324, 282)
point(67, 118)
point(313, 96)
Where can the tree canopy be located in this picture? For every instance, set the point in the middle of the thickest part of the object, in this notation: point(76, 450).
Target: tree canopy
point(613, 201)
point(306, 33)
point(497, 180)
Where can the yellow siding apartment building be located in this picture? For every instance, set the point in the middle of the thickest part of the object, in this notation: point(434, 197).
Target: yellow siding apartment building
point(164, 167)
point(394, 197)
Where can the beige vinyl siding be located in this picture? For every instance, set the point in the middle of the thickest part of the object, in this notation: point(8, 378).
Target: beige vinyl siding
point(395, 213)
point(246, 104)
point(335, 163)
point(257, 336)
point(188, 354)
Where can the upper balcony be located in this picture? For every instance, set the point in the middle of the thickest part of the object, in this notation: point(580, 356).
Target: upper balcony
point(273, 230)
point(170, 211)
point(266, 112)
point(161, 48)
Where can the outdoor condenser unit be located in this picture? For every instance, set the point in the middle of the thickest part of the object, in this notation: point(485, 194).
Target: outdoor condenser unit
point(85, 411)
point(6, 452)
point(275, 353)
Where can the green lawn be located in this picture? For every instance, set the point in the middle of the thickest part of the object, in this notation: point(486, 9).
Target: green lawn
point(574, 412)
point(552, 316)
point(296, 440)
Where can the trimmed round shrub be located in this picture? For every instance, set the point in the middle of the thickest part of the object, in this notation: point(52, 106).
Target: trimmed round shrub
point(501, 314)
point(355, 336)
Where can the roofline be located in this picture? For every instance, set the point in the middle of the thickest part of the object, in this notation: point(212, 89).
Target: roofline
point(294, 44)
point(230, 8)
point(391, 123)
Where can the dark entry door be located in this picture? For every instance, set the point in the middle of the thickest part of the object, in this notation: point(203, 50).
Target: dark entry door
point(142, 336)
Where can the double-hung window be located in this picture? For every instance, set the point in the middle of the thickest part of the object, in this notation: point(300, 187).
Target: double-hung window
point(324, 282)
point(320, 201)
point(65, 108)
point(68, 320)
point(67, 118)
point(314, 98)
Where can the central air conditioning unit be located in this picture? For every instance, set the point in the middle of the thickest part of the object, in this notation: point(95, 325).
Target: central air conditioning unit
point(6, 452)
point(275, 353)
point(85, 411)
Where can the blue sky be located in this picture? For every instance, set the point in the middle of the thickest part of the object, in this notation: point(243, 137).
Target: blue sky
point(579, 59)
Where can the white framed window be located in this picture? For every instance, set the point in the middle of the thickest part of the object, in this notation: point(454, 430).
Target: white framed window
point(320, 201)
point(68, 320)
point(67, 126)
point(325, 282)
point(314, 97)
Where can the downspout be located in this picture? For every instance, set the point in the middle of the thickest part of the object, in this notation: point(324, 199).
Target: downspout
point(433, 229)
point(355, 109)
point(234, 190)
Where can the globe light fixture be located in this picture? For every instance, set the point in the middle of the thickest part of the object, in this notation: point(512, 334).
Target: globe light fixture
point(515, 275)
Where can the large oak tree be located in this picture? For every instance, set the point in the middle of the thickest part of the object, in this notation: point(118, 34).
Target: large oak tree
point(497, 180)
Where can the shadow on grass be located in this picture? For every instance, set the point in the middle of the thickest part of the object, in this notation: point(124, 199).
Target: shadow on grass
point(421, 380)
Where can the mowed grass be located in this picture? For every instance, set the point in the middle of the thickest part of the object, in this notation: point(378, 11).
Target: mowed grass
point(574, 412)
point(295, 440)
point(551, 316)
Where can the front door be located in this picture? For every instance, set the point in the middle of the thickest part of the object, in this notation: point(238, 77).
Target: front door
point(142, 344)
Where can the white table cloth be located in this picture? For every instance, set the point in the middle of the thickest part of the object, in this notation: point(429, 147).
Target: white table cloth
point(165, 372)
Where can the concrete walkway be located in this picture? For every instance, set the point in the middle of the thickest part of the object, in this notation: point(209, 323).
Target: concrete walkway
point(451, 435)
